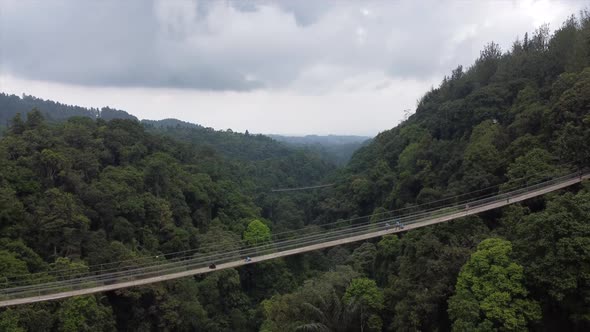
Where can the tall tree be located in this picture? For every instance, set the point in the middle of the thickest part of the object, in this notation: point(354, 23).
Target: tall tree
point(490, 292)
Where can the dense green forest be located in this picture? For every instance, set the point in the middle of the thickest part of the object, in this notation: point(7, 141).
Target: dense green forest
point(510, 115)
point(90, 191)
point(87, 192)
point(336, 148)
point(230, 144)
point(11, 105)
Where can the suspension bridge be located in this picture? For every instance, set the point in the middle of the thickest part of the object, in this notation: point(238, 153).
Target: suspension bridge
point(45, 286)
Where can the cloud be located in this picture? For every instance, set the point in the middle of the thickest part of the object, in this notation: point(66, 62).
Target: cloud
point(285, 66)
point(353, 108)
point(251, 45)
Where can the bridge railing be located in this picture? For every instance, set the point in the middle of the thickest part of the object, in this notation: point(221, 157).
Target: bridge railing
point(202, 260)
point(146, 262)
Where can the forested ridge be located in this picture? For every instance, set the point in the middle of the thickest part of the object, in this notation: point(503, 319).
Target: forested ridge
point(523, 113)
point(11, 105)
point(233, 145)
point(86, 192)
point(90, 191)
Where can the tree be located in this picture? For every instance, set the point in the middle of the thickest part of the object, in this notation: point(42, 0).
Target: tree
point(257, 233)
point(74, 269)
point(363, 258)
point(17, 126)
point(490, 292)
point(11, 266)
point(287, 215)
point(330, 314)
point(364, 293)
point(11, 209)
point(53, 163)
point(9, 321)
point(553, 246)
point(430, 260)
point(60, 222)
point(222, 297)
point(84, 313)
point(533, 167)
point(34, 119)
point(388, 248)
point(487, 64)
point(316, 306)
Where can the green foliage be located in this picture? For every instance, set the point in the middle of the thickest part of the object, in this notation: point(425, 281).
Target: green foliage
point(363, 258)
point(490, 292)
point(512, 115)
point(535, 166)
point(553, 246)
point(60, 222)
point(84, 313)
point(34, 262)
point(12, 105)
point(257, 233)
point(316, 306)
point(89, 192)
point(9, 321)
point(221, 295)
point(364, 293)
point(74, 269)
point(11, 210)
point(10, 265)
point(424, 273)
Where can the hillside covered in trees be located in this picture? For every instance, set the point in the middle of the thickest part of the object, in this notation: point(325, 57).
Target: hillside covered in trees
point(334, 149)
point(522, 113)
point(89, 191)
point(11, 105)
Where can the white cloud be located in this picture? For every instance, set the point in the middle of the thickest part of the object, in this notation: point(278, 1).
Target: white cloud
point(247, 65)
point(356, 108)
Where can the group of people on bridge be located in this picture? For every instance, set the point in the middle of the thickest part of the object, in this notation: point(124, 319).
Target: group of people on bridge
point(398, 225)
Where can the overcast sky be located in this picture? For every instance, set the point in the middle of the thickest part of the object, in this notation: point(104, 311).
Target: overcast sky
point(286, 67)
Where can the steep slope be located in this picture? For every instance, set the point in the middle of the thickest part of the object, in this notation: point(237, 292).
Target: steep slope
point(85, 192)
point(470, 132)
point(511, 118)
point(10, 105)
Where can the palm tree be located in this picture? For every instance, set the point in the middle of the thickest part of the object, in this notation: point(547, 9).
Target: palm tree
point(330, 314)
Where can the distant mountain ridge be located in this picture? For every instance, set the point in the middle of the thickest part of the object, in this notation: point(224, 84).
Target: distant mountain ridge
point(10, 105)
point(170, 123)
point(336, 148)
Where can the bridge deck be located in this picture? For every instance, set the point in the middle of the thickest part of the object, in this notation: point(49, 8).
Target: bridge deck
point(496, 202)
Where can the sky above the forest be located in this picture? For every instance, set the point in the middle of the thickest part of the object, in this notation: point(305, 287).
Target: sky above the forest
point(284, 67)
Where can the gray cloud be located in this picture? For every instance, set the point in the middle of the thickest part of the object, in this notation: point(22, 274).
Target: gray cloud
point(247, 45)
